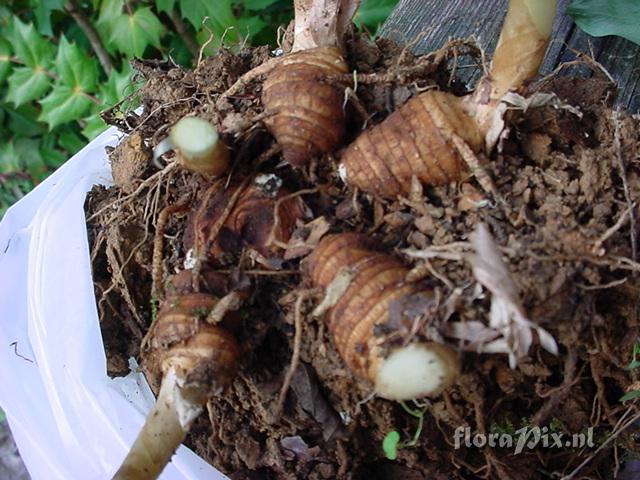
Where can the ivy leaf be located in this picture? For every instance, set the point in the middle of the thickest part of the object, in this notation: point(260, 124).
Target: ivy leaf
point(607, 17)
point(256, 5)
point(42, 11)
point(117, 86)
point(28, 150)
point(5, 55)
point(390, 444)
point(9, 158)
point(30, 47)
point(251, 26)
point(62, 105)
point(75, 68)
point(93, 126)
point(133, 33)
point(26, 84)
point(70, 141)
point(165, 5)
point(110, 10)
point(373, 12)
point(219, 13)
point(23, 121)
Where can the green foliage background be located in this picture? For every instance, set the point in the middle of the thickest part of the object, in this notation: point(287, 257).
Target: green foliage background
point(53, 85)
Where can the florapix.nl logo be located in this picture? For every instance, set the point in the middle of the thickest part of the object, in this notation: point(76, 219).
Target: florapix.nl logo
point(529, 437)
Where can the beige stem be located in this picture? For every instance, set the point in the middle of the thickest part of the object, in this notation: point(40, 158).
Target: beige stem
point(164, 430)
point(321, 23)
point(522, 44)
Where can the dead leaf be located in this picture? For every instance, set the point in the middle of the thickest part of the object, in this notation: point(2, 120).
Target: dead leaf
point(335, 290)
point(305, 387)
point(512, 330)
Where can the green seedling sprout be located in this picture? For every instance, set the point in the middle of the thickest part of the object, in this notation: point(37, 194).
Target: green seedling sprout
point(391, 442)
point(633, 365)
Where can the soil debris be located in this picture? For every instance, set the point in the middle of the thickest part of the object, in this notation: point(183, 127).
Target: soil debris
point(559, 201)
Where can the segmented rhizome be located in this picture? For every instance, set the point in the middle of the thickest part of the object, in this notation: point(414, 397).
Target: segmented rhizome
point(368, 320)
point(247, 213)
point(416, 140)
point(182, 339)
point(305, 106)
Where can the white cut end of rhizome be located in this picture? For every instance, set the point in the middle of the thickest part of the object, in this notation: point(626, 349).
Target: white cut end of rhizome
point(416, 370)
point(194, 136)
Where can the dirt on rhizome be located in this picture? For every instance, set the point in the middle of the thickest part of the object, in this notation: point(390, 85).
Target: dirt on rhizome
point(561, 211)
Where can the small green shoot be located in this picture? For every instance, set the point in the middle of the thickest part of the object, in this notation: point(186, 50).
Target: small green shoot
point(633, 365)
point(391, 442)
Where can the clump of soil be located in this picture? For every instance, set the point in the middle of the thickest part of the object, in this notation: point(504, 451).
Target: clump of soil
point(563, 212)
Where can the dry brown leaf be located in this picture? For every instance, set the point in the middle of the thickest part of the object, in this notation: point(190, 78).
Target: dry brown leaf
point(509, 330)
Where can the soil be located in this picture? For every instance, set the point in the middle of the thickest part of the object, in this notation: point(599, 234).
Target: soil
point(563, 213)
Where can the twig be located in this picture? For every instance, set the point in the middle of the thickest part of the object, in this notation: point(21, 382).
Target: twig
point(158, 243)
point(185, 35)
point(295, 357)
point(617, 431)
point(92, 35)
point(597, 246)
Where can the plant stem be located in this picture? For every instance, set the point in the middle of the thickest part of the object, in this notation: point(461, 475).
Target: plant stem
point(163, 431)
point(522, 44)
point(85, 25)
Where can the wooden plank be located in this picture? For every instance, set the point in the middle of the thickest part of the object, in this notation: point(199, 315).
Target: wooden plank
point(430, 23)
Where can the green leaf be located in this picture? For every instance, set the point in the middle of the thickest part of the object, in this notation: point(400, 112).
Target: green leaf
point(26, 84)
point(633, 394)
point(250, 26)
point(23, 121)
point(70, 141)
point(633, 365)
point(110, 10)
point(63, 105)
point(42, 11)
point(9, 158)
point(33, 49)
point(133, 33)
point(3, 417)
point(75, 68)
point(373, 12)
point(165, 5)
point(608, 17)
point(390, 444)
point(28, 150)
point(219, 15)
point(118, 86)
point(5, 55)
point(256, 5)
point(93, 126)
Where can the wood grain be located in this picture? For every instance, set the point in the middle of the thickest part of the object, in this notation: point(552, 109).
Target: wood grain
point(430, 23)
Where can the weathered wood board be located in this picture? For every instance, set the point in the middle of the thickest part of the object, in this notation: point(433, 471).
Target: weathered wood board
point(430, 23)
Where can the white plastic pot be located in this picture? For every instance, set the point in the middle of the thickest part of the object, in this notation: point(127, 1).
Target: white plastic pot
point(68, 418)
